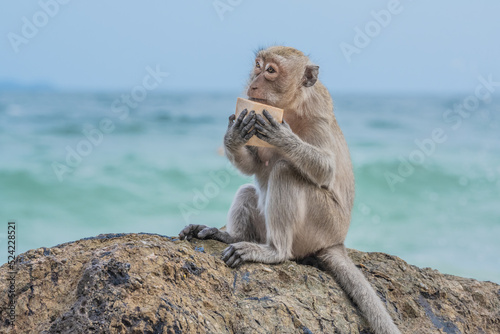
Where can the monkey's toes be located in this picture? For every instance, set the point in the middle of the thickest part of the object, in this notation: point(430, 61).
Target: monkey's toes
point(232, 257)
point(191, 231)
point(226, 253)
point(207, 233)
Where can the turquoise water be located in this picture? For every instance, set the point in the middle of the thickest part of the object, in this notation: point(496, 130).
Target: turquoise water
point(159, 168)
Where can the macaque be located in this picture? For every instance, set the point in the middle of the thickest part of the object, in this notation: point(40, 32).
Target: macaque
point(301, 202)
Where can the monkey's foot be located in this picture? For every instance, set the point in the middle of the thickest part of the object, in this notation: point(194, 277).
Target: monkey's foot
point(240, 252)
point(236, 254)
point(204, 232)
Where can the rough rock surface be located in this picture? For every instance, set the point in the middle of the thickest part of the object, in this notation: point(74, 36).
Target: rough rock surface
point(143, 283)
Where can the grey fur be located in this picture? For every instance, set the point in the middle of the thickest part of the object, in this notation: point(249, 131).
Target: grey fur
point(302, 201)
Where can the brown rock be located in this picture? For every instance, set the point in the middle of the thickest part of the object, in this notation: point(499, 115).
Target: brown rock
point(143, 283)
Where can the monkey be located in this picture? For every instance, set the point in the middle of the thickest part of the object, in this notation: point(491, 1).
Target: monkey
point(301, 202)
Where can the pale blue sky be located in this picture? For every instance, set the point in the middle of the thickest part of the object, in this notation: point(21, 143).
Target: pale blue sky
point(427, 46)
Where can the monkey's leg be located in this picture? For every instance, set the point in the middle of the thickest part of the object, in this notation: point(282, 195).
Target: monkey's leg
point(284, 204)
point(244, 221)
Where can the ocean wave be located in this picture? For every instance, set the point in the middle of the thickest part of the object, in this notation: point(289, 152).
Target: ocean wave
point(448, 178)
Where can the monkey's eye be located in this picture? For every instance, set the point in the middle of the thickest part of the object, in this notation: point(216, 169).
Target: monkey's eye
point(270, 69)
point(257, 65)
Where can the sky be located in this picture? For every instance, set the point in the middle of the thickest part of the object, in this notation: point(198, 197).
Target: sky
point(207, 45)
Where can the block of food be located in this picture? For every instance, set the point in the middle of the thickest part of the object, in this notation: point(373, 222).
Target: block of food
point(243, 104)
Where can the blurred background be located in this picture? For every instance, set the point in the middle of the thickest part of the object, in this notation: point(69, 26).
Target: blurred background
point(112, 115)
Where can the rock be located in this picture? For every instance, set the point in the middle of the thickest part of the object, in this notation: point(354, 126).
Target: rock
point(145, 283)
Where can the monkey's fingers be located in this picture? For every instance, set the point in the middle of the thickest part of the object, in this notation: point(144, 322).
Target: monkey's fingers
point(231, 120)
point(262, 121)
point(250, 134)
point(270, 118)
point(262, 137)
point(248, 119)
point(262, 130)
point(248, 127)
point(240, 118)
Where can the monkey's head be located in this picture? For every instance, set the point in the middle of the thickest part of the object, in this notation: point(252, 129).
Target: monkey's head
point(280, 76)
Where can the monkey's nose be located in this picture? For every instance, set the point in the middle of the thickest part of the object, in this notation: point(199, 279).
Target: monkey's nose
point(253, 88)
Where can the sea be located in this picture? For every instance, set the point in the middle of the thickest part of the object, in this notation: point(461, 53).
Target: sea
point(78, 164)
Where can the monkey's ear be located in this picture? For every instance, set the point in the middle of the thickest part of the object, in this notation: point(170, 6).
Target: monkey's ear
point(310, 75)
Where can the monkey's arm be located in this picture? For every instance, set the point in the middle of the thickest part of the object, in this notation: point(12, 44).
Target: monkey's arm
point(316, 164)
point(243, 157)
point(313, 160)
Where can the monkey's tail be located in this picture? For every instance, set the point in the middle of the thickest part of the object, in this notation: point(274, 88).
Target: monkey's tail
point(352, 280)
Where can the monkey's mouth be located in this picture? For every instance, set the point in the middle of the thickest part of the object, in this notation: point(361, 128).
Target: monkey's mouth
point(258, 100)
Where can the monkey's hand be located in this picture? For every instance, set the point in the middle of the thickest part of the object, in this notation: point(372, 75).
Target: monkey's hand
point(273, 132)
point(239, 131)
